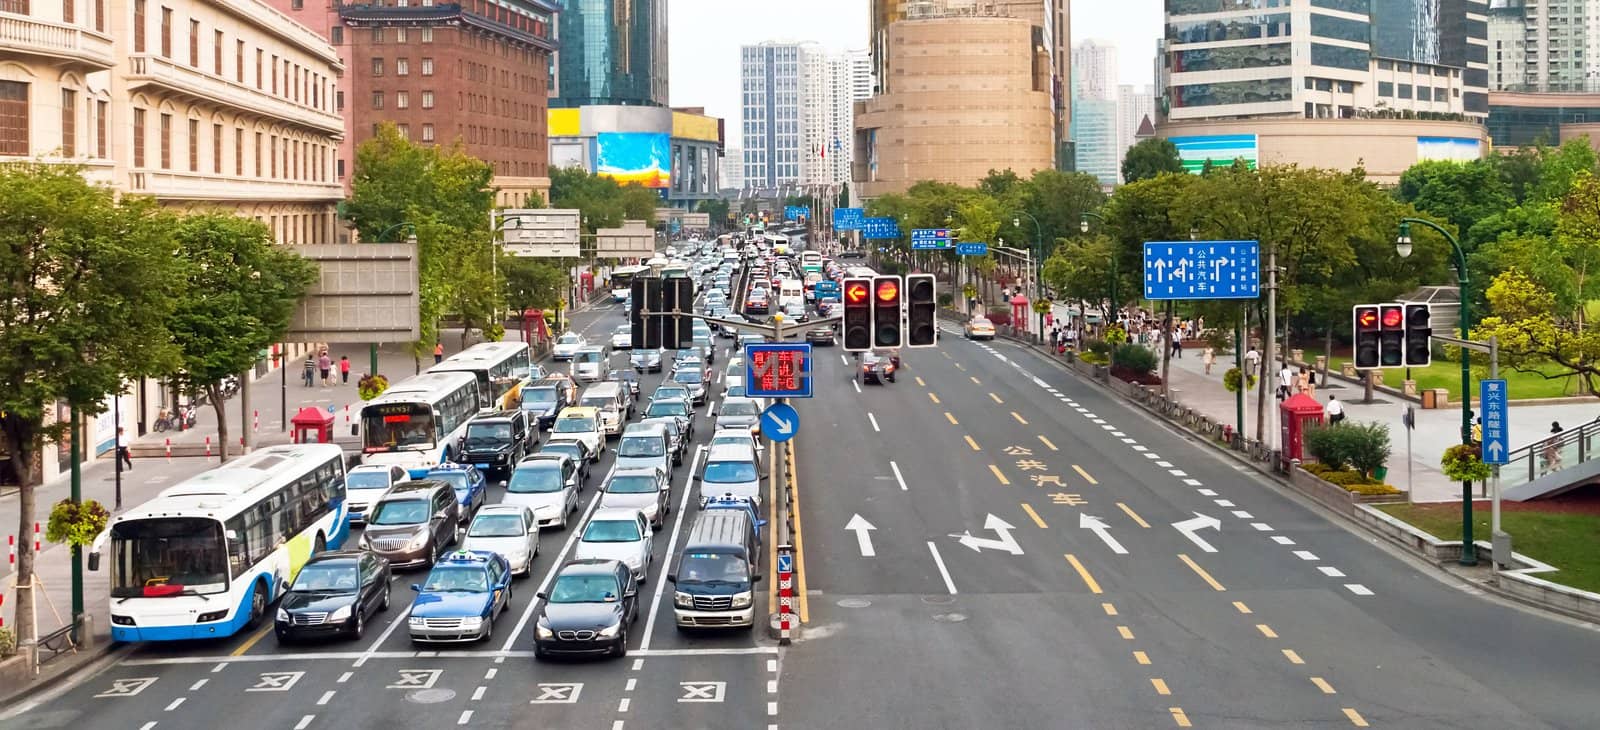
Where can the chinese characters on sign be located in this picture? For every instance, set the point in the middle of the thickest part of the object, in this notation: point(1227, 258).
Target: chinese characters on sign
point(778, 370)
point(1496, 439)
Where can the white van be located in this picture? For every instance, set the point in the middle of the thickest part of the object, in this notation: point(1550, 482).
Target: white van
point(589, 364)
point(791, 291)
point(611, 399)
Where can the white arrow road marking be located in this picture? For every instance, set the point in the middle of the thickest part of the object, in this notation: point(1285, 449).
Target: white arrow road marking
point(1199, 522)
point(863, 530)
point(1001, 528)
point(1102, 531)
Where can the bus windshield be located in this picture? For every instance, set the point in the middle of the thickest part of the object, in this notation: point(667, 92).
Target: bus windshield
point(168, 556)
point(392, 426)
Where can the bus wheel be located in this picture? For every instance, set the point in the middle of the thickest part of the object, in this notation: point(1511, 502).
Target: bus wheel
point(321, 545)
point(258, 605)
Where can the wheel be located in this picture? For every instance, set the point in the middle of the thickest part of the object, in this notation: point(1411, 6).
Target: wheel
point(384, 605)
point(360, 628)
point(258, 605)
point(622, 642)
point(564, 516)
point(488, 631)
point(433, 553)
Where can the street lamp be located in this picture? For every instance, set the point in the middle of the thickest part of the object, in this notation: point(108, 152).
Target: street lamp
point(1402, 246)
point(1083, 226)
point(1038, 259)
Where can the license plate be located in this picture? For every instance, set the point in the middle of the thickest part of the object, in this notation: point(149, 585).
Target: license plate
point(481, 466)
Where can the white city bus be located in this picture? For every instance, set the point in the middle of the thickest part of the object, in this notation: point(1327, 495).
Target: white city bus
point(417, 421)
point(622, 281)
point(206, 556)
point(501, 369)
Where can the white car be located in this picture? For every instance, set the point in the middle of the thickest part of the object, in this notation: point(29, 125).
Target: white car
point(621, 534)
point(577, 423)
point(567, 345)
point(366, 484)
point(508, 529)
point(622, 337)
point(546, 483)
point(737, 436)
point(642, 489)
point(590, 364)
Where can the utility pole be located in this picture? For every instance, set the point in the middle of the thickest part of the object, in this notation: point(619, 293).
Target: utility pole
point(1268, 357)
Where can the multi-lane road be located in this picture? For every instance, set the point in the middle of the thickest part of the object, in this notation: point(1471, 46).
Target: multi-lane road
point(991, 543)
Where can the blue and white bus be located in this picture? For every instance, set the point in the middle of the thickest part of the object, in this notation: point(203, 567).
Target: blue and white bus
point(418, 421)
point(622, 281)
point(207, 556)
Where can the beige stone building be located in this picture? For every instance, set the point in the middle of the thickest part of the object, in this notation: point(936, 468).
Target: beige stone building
point(960, 95)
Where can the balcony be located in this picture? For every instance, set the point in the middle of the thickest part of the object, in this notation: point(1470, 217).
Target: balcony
point(65, 44)
point(175, 185)
point(149, 70)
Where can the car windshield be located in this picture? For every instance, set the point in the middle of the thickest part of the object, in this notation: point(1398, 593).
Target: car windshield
point(624, 331)
point(541, 479)
point(590, 356)
point(488, 433)
point(740, 408)
point(688, 377)
point(367, 479)
point(570, 449)
point(730, 472)
point(712, 568)
point(541, 397)
point(612, 531)
point(736, 391)
point(666, 392)
point(574, 424)
point(331, 575)
point(450, 578)
point(665, 408)
point(497, 526)
point(597, 401)
point(732, 438)
point(456, 479)
point(632, 484)
point(641, 446)
point(568, 339)
point(399, 512)
point(584, 589)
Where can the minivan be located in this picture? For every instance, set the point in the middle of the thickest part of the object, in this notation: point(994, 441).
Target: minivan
point(589, 364)
point(413, 523)
point(645, 445)
point(714, 585)
point(614, 402)
point(731, 469)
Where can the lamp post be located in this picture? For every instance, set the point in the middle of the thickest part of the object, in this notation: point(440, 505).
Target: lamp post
point(1083, 227)
point(411, 238)
point(1402, 246)
point(1038, 259)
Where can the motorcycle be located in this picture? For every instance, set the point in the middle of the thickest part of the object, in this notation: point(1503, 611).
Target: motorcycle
point(183, 420)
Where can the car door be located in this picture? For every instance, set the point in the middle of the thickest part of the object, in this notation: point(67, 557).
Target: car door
point(500, 580)
point(648, 544)
point(663, 496)
point(530, 527)
point(442, 525)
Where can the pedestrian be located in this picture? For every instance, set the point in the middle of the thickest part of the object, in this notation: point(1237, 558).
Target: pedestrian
point(438, 352)
point(1177, 343)
point(1477, 432)
point(344, 368)
point(1208, 358)
point(325, 366)
point(1308, 383)
point(1286, 381)
point(1551, 454)
point(1252, 361)
point(1335, 410)
point(124, 457)
point(310, 376)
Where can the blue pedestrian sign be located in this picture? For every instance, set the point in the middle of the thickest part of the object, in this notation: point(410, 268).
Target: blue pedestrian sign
point(780, 422)
point(930, 239)
point(1493, 399)
point(796, 212)
point(972, 249)
point(847, 219)
point(785, 562)
point(880, 227)
point(1202, 270)
point(777, 370)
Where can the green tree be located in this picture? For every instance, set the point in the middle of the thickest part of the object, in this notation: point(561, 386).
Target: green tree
point(717, 210)
point(1149, 158)
point(89, 285)
point(532, 283)
point(1057, 200)
point(603, 202)
point(238, 290)
point(1462, 193)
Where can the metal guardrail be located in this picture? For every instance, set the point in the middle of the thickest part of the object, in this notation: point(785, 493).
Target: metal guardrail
point(1558, 451)
point(54, 644)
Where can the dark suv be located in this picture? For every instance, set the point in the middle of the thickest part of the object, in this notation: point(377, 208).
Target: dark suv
point(543, 399)
point(413, 523)
point(495, 442)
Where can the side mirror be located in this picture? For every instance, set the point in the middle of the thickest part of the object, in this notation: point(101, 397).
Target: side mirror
point(94, 560)
point(672, 578)
point(416, 587)
point(543, 594)
point(355, 430)
point(755, 578)
point(761, 523)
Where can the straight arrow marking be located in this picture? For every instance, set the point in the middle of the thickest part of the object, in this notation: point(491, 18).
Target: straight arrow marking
point(1199, 522)
point(863, 530)
point(1102, 531)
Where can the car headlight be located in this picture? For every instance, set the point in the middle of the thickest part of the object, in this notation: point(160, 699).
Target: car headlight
point(283, 615)
point(340, 614)
point(418, 541)
point(472, 622)
point(741, 600)
point(543, 630)
point(611, 630)
point(416, 622)
point(682, 600)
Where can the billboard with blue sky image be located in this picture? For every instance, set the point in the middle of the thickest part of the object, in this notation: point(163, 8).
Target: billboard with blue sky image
point(1220, 149)
point(637, 157)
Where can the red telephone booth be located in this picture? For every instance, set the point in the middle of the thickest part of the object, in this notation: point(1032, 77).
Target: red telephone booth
point(586, 279)
point(312, 426)
point(1019, 313)
point(1298, 413)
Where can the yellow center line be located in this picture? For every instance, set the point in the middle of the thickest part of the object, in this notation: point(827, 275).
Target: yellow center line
point(1019, 418)
point(1084, 474)
point(1242, 608)
point(946, 354)
point(1004, 482)
point(1141, 657)
point(1355, 717)
point(1266, 631)
point(1323, 685)
point(933, 397)
point(1035, 515)
point(1160, 685)
point(1047, 443)
point(959, 366)
point(1134, 516)
point(996, 398)
point(972, 443)
point(1292, 657)
point(1201, 572)
point(1126, 632)
point(919, 380)
point(974, 380)
point(257, 636)
point(1088, 580)
point(1179, 716)
point(1108, 608)
point(951, 417)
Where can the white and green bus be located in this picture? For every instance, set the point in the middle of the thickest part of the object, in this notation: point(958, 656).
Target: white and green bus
point(500, 367)
point(206, 556)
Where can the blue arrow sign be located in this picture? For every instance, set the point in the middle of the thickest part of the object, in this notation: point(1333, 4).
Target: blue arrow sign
point(847, 219)
point(1493, 399)
point(780, 422)
point(880, 227)
point(1202, 270)
point(796, 212)
point(777, 370)
point(785, 562)
point(931, 239)
point(972, 249)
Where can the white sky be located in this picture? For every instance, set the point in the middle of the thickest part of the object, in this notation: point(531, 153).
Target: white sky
point(705, 36)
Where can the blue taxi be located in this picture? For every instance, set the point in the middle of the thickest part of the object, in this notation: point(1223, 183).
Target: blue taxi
point(470, 487)
point(463, 595)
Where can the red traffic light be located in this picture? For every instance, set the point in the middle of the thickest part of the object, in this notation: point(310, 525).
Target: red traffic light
point(855, 293)
point(1392, 316)
point(1367, 317)
point(888, 290)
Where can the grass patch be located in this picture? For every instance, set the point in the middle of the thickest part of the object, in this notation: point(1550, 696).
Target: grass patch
point(1447, 375)
point(1564, 540)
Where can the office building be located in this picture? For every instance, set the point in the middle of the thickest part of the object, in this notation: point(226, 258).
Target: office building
point(613, 53)
point(1094, 137)
point(1135, 105)
point(475, 72)
point(1094, 70)
point(1545, 45)
point(797, 114)
point(861, 83)
point(675, 152)
point(732, 168)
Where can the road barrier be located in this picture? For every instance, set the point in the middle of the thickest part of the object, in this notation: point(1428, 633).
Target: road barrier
point(787, 594)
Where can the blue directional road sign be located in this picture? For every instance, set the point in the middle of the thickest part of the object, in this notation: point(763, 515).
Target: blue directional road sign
point(777, 370)
point(796, 212)
point(1202, 270)
point(847, 219)
point(785, 562)
point(780, 422)
point(1493, 399)
point(972, 249)
point(930, 239)
point(882, 227)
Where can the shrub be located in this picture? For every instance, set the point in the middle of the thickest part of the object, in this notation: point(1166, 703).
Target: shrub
point(76, 523)
point(1230, 380)
point(1124, 374)
point(1135, 358)
point(371, 386)
point(946, 299)
point(1093, 358)
point(1364, 446)
point(8, 641)
point(1371, 489)
point(1344, 478)
point(1462, 464)
point(1116, 335)
point(1100, 347)
point(1315, 467)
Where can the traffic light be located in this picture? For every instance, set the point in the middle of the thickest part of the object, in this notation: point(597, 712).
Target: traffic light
point(645, 297)
point(1366, 335)
point(886, 316)
point(1419, 354)
point(922, 311)
point(1392, 336)
point(857, 315)
point(677, 332)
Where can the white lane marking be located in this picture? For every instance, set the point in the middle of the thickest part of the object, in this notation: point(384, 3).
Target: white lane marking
point(575, 528)
point(672, 541)
point(618, 725)
point(622, 704)
point(219, 667)
point(1129, 441)
point(1330, 571)
point(1178, 472)
point(1261, 526)
point(1192, 482)
point(305, 722)
point(148, 725)
point(772, 686)
point(327, 697)
point(466, 717)
point(874, 420)
point(1151, 455)
point(1282, 540)
point(483, 654)
point(844, 359)
point(632, 682)
point(772, 709)
point(1223, 502)
point(1164, 464)
point(1206, 492)
point(638, 664)
point(490, 674)
point(902, 480)
point(1108, 427)
point(1137, 447)
point(478, 693)
point(1306, 555)
point(943, 571)
point(1118, 433)
point(198, 685)
point(346, 677)
point(1243, 515)
point(175, 704)
point(772, 665)
point(1358, 589)
point(856, 383)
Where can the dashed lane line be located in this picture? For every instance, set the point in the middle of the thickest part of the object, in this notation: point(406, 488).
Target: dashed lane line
point(1133, 515)
point(944, 572)
point(970, 442)
point(1037, 520)
point(1088, 580)
point(1084, 474)
point(1047, 443)
point(1323, 685)
point(1201, 572)
point(897, 477)
point(999, 475)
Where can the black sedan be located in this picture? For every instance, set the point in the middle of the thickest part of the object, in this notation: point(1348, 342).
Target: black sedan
point(587, 610)
point(334, 595)
point(820, 336)
point(875, 368)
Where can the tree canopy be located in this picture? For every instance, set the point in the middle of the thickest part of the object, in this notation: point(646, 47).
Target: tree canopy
point(1150, 157)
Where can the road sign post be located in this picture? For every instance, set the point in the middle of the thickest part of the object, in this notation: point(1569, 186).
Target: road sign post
point(785, 593)
point(972, 249)
point(931, 239)
point(780, 422)
point(880, 227)
point(1202, 270)
point(848, 219)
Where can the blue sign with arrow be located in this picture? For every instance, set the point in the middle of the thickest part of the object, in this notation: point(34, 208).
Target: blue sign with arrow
point(972, 249)
point(780, 422)
point(1202, 270)
point(785, 562)
point(796, 212)
point(930, 239)
point(1493, 399)
point(880, 227)
point(847, 219)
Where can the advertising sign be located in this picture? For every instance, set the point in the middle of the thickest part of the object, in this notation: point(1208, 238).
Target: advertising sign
point(634, 157)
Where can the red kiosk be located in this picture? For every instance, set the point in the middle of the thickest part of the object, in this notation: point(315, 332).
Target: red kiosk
point(1298, 413)
point(1019, 313)
point(312, 426)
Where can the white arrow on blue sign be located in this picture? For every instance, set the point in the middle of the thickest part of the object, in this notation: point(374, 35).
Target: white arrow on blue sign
point(785, 563)
point(1202, 270)
point(1493, 399)
point(780, 422)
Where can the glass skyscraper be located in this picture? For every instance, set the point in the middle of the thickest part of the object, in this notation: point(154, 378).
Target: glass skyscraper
point(612, 52)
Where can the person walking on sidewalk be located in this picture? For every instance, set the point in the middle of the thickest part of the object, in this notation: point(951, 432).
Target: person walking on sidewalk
point(1552, 450)
point(1177, 342)
point(1285, 381)
point(438, 352)
point(344, 369)
point(1335, 410)
point(123, 455)
point(325, 365)
point(1209, 358)
point(1252, 362)
point(310, 376)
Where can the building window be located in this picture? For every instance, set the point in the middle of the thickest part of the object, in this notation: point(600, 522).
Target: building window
point(274, 73)
point(138, 138)
point(297, 5)
point(427, 67)
point(216, 148)
point(101, 111)
point(377, 100)
point(427, 35)
point(338, 168)
point(166, 141)
point(1386, 88)
point(166, 32)
point(258, 68)
point(427, 132)
point(1424, 93)
point(100, 15)
point(238, 151)
point(216, 51)
point(13, 118)
point(258, 154)
point(404, 130)
point(402, 67)
point(69, 11)
point(272, 156)
point(138, 26)
point(427, 100)
point(194, 145)
point(1405, 91)
point(377, 67)
point(402, 100)
point(338, 101)
point(194, 43)
point(238, 61)
point(69, 123)
point(400, 33)
point(377, 36)
point(336, 35)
